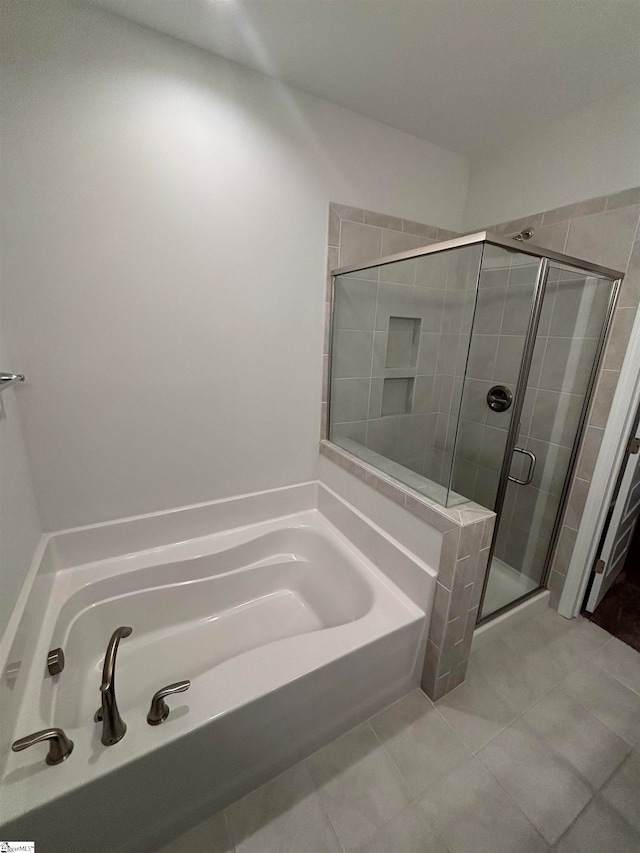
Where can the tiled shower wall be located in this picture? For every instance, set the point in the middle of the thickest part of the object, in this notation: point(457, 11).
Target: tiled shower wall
point(605, 231)
point(370, 339)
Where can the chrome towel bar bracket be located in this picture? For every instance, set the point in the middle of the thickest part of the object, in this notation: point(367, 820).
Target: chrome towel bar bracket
point(7, 379)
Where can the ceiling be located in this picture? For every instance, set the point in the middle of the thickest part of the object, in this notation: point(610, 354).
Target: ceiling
point(464, 74)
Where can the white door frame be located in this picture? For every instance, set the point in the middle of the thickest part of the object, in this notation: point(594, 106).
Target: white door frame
point(611, 457)
point(617, 539)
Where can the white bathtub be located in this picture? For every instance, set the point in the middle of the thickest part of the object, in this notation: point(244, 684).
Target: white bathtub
point(289, 634)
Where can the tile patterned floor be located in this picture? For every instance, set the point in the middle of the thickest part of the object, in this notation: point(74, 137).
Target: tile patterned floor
point(538, 750)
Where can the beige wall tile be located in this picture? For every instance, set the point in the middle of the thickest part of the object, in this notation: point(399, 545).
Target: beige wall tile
point(445, 234)
point(343, 211)
point(555, 585)
point(429, 232)
point(553, 237)
point(574, 211)
point(430, 668)
point(333, 238)
point(359, 243)
point(603, 398)
point(564, 551)
point(325, 378)
point(397, 241)
point(439, 614)
point(630, 289)
point(327, 328)
point(382, 220)
point(577, 500)
point(624, 198)
point(604, 238)
point(619, 338)
point(332, 264)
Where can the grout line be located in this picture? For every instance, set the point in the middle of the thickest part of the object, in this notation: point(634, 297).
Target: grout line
point(412, 796)
point(321, 801)
point(619, 680)
point(415, 799)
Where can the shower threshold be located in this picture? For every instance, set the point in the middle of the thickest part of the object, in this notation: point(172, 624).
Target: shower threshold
point(505, 586)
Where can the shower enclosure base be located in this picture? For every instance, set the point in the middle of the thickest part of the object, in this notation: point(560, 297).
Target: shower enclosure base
point(505, 585)
point(491, 630)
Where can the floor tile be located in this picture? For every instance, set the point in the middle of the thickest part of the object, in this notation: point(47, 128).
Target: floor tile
point(622, 791)
point(599, 829)
point(571, 649)
point(360, 787)
point(615, 705)
point(210, 836)
point(621, 661)
point(518, 678)
point(541, 782)
point(473, 814)
point(476, 710)
point(573, 732)
point(409, 832)
point(591, 635)
point(536, 632)
point(423, 746)
point(283, 816)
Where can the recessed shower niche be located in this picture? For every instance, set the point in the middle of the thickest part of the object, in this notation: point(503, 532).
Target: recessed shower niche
point(400, 365)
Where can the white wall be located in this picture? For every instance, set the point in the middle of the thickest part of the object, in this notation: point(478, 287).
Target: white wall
point(19, 524)
point(588, 153)
point(163, 260)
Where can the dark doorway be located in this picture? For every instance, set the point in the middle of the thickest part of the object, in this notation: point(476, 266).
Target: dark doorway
point(619, 611)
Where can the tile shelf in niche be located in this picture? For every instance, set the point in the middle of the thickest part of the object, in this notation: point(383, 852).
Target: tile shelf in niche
point(400, 372)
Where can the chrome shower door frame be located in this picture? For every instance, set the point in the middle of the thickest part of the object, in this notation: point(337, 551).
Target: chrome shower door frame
point(544, 256)
point(514, 425)
point(521, 389)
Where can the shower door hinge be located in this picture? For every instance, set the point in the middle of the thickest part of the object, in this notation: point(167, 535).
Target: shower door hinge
point(634, 445)
point(600, 567)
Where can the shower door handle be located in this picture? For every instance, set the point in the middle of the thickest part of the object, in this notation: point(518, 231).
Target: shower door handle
point(532, 467)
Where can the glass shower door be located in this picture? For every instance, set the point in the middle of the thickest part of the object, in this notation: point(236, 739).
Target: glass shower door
point(572, 319)
point(482, 420)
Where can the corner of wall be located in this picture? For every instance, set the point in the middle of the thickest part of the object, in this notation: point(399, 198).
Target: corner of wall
point(589, 152)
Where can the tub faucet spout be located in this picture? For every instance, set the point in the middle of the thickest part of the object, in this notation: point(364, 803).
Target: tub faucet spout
point(113, 726)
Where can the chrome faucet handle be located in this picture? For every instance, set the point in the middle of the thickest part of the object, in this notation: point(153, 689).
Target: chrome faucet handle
point(159, 710)
point(60, 747)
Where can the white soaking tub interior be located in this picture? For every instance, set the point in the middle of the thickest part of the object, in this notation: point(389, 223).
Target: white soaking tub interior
point(289, 633)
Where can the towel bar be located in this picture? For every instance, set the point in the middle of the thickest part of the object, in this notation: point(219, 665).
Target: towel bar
point(7, 379)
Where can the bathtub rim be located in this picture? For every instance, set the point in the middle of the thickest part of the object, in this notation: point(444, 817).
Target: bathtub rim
point(326, 496)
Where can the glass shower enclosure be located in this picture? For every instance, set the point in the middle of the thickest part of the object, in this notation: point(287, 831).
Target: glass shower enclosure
point(465, 370)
